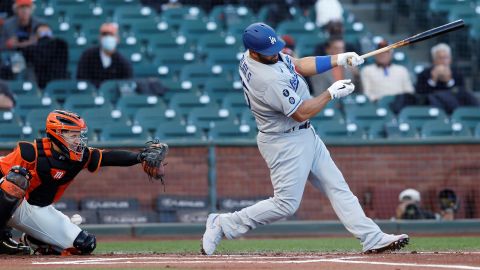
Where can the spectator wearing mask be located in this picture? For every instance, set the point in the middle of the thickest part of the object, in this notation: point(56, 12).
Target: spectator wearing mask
point(386, 79)
point(48, 56)
point(7, 101)
point(409, 206)
point(443, 85)
point(321, 82)
point(104, 62)
point(18, 30)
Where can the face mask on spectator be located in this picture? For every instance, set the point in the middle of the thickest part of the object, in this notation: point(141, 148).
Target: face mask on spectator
point(109, 43)
point(47, 34)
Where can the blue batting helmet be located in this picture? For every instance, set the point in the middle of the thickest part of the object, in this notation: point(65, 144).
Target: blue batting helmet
point(262, 39)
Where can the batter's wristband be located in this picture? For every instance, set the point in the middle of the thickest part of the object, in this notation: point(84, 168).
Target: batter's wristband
point(323, 63)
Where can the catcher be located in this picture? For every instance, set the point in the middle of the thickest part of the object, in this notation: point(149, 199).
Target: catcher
point(35, 175)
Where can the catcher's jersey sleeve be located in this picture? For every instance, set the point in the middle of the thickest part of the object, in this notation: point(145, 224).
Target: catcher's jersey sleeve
point(15, 158)
point(94, 159)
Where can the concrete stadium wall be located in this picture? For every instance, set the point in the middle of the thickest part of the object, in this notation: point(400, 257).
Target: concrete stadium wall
point(376, 174)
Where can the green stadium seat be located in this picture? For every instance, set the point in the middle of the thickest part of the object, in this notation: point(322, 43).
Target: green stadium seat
point(197, 74)
point(133, 13)
point(416, 116)
point(235, 103)
point(226, 59)
point(218, 88)
point(109, 6)
point(438, 128)
point(122, 132)
point(236, 30)
point(206, 118)
point(228, 131)
point(329, 114)
point(175, 16)
point(213, 42)
point(182, 104)
point(178, 132)
point(267, 14)
point(226, 15)
point(467, 116)
point(444, 6)
point(23, 88)
point(247, 118)
point(306, 44)
point(151, 118)
point(335, 130)
point(146, 70)
point(128, 105)
point(377, 130)
point(147, 29)
point(177, 87)
point(477, 131)
point(363, 117)
point(171, 61)
point(61, 89)
point(193, 30)
point(356, 100)
point(11, 132)
point(80, 103)
point(401, 130)
point(112, 89)
point(36, 119)
point(27, 103)
point(74, 55)
point(98, 118)
point(385, 102)
point(9, 116)
point(298, 29)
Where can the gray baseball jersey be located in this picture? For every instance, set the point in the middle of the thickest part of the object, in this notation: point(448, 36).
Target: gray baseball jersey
point(273, 92)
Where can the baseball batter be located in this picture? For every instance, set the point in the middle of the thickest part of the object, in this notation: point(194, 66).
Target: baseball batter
point(278, 96)
point(35, 175)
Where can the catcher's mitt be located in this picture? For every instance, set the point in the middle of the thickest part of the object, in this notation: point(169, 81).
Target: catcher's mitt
point(152, 158)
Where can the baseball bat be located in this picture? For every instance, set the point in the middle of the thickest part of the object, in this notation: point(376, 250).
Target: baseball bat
point(417, 38)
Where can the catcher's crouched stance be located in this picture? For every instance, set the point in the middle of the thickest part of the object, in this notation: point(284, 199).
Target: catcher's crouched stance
point(35, 175)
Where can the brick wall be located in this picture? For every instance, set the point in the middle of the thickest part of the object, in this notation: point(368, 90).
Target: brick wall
point(376, 174)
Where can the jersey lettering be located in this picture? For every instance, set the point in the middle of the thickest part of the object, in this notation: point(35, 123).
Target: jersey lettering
point(244, 69)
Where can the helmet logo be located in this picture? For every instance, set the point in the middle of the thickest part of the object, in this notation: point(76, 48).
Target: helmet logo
point(272, 40)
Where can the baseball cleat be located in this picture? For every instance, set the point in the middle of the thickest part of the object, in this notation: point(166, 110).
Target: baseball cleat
point(389, 242)
point(212, 236)
point(10, 246)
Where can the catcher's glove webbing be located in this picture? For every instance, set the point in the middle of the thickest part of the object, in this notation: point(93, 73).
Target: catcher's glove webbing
point(152, 158)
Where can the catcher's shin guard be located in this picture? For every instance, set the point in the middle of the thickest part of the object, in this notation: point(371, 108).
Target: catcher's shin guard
point(12, 190)
point(10, 246)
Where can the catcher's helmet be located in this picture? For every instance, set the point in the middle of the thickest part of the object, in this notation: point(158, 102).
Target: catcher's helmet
point(68, 131)
point(262, 39)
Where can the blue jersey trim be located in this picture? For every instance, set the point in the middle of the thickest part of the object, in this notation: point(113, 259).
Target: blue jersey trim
point(295, 108)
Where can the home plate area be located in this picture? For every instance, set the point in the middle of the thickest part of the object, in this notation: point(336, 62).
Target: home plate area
point(340, 261)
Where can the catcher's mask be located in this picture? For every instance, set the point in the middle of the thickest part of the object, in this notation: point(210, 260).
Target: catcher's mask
point(69, 132)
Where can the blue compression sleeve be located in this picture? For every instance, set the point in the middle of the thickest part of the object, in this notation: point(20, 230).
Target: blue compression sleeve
point(323, 63)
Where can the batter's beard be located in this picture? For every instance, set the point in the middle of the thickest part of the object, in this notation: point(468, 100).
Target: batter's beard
point(267, 60)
